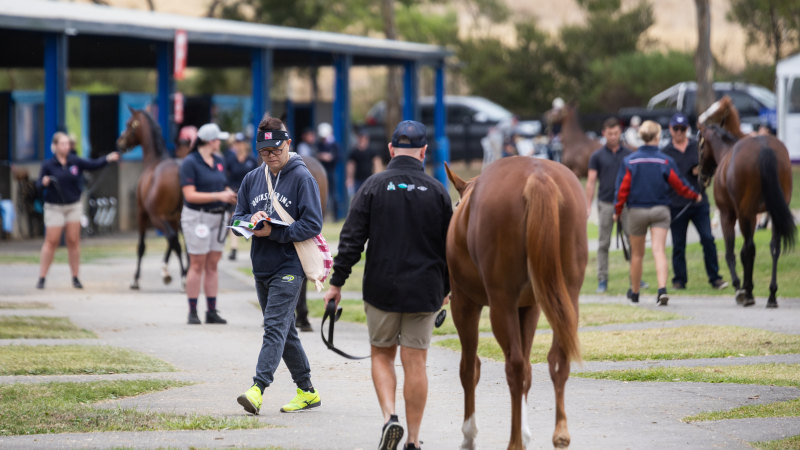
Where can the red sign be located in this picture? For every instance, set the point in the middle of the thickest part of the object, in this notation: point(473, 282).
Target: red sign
point(178, 100)
point(181, 50)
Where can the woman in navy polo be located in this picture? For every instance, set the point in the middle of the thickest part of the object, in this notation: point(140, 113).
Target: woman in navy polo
point(60, 178)
point(205, 198)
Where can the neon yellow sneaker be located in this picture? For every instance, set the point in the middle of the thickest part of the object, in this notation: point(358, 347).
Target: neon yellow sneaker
point(251, 400)
point(303, 400)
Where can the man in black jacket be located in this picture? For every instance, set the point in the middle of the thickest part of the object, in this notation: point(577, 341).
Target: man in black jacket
point(404, 214)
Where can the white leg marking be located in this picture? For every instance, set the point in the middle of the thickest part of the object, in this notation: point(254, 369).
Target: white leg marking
point(526, 432)
point(470, 430)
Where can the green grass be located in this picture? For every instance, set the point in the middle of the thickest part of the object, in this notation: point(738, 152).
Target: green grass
point(38, 327)
point(24, 305)
point(66, 408)
point(788, 268)
point(763, 374)
point(75, 359)
point(689, 342)
point(91, 251)
point(789, 408)
point(792, 443)
point(352, 310)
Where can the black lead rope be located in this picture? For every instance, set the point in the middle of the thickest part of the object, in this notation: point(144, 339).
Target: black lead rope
point(333, 313)
point(622, 237)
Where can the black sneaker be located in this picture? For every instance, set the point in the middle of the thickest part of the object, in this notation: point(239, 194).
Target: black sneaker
point(212, 316)
point(678, 285)
point(391, 435)
point(232, 256)
point(662, 299)
point(40, 283)
point(411, 446)
point(303, 326)
point(193, 319)
point(76, 283)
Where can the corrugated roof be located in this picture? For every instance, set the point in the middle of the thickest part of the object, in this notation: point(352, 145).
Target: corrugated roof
point(86, 19)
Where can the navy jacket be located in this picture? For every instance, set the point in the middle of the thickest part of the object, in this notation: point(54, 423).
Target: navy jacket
point(66, 181)
point(298, 193)
point(645, 179)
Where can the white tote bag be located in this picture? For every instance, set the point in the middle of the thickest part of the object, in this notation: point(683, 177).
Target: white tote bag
point(315, 255)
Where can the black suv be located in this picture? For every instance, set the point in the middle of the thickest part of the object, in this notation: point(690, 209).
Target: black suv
point(468, 121)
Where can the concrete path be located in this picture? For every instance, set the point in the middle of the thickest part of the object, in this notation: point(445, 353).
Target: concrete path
point(221, 360)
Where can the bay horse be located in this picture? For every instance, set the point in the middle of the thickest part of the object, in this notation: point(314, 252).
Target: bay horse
point(724, 113)
point(159, 198)
point(517, 244)
point(751, 175)
point(577, 146)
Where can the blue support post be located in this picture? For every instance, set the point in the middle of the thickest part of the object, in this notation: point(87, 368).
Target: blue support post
point(261, 75)
point(290, 125)
point(166, 86)
point(410, 91)
point(341, 130)
point(55, 73)
point(442, 153)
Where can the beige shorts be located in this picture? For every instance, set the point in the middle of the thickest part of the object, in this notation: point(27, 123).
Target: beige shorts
point(56, 215)
point(201, 231)
point(412, 330)
point(640, 219)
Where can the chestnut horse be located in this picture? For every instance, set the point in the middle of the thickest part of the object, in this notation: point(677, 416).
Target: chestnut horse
point(577, 147)
point(751, 175)
point(517, 244)
point(159, 198)
point(724, 113)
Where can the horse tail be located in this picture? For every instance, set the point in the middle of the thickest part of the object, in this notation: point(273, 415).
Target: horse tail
point(543, 246)
point(783, 225)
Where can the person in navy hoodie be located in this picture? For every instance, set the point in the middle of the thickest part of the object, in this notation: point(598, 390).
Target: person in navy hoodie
point(206, 196)
point(644, 182)
point(277, 269)
point(61, 178)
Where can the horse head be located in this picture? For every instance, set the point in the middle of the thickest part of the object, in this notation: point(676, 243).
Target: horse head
point(714, 141)
point(132, 135)
point(724, 113)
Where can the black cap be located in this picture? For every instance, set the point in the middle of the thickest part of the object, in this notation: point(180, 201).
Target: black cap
point(411, 129)
point(271, 138)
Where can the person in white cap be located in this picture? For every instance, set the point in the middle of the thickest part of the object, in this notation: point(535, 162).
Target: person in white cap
point(205, 198)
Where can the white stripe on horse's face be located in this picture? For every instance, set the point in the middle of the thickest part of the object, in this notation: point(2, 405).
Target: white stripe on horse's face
point(710, 111)
point(470, 430)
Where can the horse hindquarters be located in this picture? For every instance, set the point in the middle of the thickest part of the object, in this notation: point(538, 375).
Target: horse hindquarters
point(543, 237)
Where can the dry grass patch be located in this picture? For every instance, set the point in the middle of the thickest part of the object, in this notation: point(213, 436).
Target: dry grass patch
point(65, 408)
point(763, 374)
point(75, 359)
point(690, 342)
point(24, 305)
point(39, 327)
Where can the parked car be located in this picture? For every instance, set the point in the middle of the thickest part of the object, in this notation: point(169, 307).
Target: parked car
point(468, 121)
point(756, 104)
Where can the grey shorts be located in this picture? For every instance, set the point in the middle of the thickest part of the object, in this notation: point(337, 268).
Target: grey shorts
point(56, 215)
point(201, 231)
point(386, 329)
point(640, 219)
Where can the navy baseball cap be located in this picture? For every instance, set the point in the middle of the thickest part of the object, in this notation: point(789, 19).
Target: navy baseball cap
point(411, 129)
point(271, 138)
point(678, 119)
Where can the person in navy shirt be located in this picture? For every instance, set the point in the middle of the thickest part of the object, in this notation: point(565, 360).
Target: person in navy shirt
point(205, 198)
point(61, 178)
point(238, 161)
point(643, 183)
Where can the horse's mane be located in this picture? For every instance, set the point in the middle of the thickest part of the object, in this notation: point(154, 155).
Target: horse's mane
point(723, 133)
point(159, 145)
point(732, 122)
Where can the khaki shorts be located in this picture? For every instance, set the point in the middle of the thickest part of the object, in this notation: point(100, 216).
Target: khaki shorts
point(386, 329)
point(201, 230)
point(56, 215)
point(640, 219)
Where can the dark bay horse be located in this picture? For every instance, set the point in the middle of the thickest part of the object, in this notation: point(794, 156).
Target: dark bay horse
point(159, 198)
point(751, 175)
point(578, 147)
point(517, 244)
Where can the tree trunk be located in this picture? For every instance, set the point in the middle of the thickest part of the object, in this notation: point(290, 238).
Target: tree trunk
point(703, 62)
point(151, 5)
point(777, 37)
point(393, 81)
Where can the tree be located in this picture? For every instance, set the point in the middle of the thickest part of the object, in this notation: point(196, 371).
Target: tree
point(772, 23)
point(703, 60)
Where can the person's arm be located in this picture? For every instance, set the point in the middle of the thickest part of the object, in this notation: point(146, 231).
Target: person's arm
point(591, 180)
point(351, 173)
point(242, 211)
point(377, 164)
point(679, 186)
point(308, 222)
point(624, 179)
point(192, 196)
point(352, 238)
point(97, 163)
point(44, 175)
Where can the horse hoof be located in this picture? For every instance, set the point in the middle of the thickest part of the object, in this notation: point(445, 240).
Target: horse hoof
point(749, 301)
point(135, 286)
point(772, 304)
point(561, 442)
point(167, 279)
point(741, 296)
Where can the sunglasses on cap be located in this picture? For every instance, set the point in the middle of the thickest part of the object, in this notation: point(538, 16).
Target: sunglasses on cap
point(272, 152)
point(679, 129)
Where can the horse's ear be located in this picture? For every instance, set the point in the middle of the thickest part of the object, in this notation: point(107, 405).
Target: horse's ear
point(130, 108)
point(458, 183)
